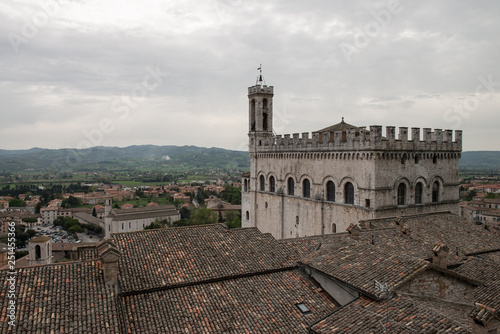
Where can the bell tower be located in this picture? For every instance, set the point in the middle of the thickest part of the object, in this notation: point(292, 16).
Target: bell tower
point(260, 108)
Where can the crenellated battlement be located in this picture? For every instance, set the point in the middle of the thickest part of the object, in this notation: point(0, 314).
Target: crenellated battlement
point(364, 139)
point(258, 89)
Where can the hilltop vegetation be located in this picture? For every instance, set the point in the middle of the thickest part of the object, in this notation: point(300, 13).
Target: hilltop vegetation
point(144, 157)
point(480, 161)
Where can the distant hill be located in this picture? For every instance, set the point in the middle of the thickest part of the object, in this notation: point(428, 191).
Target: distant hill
point(480, 160)
point(151, 156)
point(111, 158)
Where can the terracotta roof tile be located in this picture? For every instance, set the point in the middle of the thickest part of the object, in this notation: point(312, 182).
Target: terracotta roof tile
point(368, 316)
point(258, 304)
point(165, 257)
point(359, 265)
point(67, 298)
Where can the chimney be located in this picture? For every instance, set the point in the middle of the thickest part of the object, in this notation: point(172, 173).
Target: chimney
point(440, 255)
point(354, 231)
point(109, 255)
point(400, 226)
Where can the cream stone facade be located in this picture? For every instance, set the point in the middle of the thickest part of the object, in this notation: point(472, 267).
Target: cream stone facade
point(315, 184)
point(136, 219)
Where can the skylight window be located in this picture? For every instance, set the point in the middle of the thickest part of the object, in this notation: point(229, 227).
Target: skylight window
point(303, 308)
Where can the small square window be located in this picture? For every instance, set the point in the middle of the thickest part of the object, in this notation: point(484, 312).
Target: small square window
point(303, 308)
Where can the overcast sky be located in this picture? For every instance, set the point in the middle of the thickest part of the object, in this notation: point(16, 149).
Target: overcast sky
point(79, 73)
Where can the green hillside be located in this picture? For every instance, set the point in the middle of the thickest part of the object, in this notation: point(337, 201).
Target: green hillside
point(112, 158)
point(147, 157)
point(480, 161)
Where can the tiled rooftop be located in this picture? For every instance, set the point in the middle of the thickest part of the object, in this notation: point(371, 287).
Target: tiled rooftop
point(258, 304)
point(367, 316)
point(67, 298)
point(166, 257)
point(303, 247)
point(488, 273)
point(146, 212)
point(422, 232)
point(359, 265)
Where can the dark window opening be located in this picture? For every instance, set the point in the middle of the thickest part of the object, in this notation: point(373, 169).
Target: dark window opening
point(401, 194)
point(418, 193)
point(416, 159)
point(435, 192)
point(291, 186)
point(262, 183)
point(349, 193)
point(367, 203)
point(252, 115)
point(247, 214)
point(435, 159)
point(334, 228)
point(264, 121)
point(38, 252)
point(306, 188)
point(272, 184)
point(330, 191)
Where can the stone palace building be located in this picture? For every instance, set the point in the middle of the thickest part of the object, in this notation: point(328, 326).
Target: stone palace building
point(315, 184)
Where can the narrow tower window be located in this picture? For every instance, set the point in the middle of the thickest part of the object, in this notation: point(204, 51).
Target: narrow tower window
point(435, 192)
point(349, 193)
point(264, 115)
point(252, 115)
point(330, 191)
point(272, 184)
point(401, 194)
point(38, 252)
point(262, 183)
point(306, 188)
point(418, 193)
point(291, 186)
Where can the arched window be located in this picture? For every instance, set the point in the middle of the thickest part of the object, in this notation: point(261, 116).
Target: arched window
point(349, 193)
point(38, 252)
point(306, 188)
point(291, 186)
point(272, 184)
point(245, 185)
point(264, 104)
point(334, 228)
point(418, 193)
point(401, 194)
point(435, 192)
point(247, 214)
point(252, 115)
point(330, 191)
point(262, 183)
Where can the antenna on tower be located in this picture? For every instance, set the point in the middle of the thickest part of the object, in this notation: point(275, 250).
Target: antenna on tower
point(260, 79)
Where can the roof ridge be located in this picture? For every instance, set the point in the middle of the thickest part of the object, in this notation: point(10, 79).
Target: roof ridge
point(208, 281)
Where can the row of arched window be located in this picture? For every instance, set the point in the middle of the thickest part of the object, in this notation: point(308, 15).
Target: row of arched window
point(348, 193)
point(306, 189)
point(402, 196)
